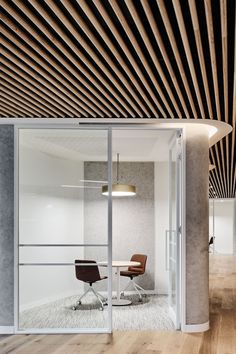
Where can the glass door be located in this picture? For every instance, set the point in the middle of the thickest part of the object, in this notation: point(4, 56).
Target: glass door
point(64, 241)
point(173, 235)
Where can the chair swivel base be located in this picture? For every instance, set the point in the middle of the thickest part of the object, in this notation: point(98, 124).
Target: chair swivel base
point(101, 299)
point(136, 287)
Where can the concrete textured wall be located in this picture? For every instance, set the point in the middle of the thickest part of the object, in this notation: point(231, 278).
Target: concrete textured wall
point(133, 217)
point(6, 225)
point(197, 226)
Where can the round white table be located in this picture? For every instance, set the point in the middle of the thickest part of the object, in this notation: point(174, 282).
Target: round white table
point(120, 264)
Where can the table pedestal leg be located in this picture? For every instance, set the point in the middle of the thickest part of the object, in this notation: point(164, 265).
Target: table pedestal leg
point(118, 301)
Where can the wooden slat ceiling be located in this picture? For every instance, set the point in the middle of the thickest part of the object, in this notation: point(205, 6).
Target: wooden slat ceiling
point(124, 58)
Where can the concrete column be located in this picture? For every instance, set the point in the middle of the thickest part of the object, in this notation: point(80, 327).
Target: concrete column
point(197, 226)
point(6, 225)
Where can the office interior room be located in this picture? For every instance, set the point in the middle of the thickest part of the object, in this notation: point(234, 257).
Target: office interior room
point(82, 70)
point(63, 217)
point(222, 226)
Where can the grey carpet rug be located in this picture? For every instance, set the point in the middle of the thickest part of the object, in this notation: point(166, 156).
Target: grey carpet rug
point(150, 314)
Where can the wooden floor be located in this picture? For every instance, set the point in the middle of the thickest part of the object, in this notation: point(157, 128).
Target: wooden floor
point(220, 339)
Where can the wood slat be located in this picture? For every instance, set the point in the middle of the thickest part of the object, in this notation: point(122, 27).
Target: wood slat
point(84, 6)
point(32, 87)
point(196, 28)
point(51, 69)
point(37, 77)
point(136, 46)
point(162, 48)
point(12, 110)
point(224, 39)
point(80, 54)
point(101, 110)
point(170, 33)
point(127, 52)
point(152, 52)
point(10, 80)
point(61, 59)
point(182, 28)
point(15, 102)
point(25, 98)
point(211, 38)
point(105, 55)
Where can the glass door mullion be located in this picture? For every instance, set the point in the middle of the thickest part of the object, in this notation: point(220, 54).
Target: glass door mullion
point(109, 154)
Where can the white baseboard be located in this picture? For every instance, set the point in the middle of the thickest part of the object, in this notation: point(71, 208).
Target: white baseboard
point(7, 330)
point(203, 327)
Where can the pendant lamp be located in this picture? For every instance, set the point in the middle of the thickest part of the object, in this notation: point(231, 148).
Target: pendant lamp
point(118, 189)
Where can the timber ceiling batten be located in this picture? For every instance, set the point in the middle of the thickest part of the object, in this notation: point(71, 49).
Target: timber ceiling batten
point(123, 58)
point(211, 38)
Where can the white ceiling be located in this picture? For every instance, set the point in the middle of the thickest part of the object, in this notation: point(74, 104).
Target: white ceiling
point(91, 145)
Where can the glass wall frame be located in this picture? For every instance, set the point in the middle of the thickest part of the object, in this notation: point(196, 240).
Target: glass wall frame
point(109, 245)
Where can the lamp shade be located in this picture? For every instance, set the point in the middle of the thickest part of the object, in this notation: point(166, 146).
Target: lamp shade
point(120, 190)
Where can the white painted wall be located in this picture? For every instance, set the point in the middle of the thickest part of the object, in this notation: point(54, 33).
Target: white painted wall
point(49, 213)
point(161, 225)
point(224, 225)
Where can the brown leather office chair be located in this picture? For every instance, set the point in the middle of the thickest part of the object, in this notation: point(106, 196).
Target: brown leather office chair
point(133, 272)
point(89, 274)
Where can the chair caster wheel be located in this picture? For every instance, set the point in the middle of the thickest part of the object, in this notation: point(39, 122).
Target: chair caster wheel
point(101, 308)
point(122, 293)
point(74, 308)
point(78, 302)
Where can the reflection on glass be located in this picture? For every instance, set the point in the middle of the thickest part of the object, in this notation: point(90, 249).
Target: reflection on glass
point(56, 203)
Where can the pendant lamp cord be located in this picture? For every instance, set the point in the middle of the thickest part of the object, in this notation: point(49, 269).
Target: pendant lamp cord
point(117, 168)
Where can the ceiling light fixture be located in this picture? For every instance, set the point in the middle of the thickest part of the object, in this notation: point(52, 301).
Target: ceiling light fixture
point(119, 190)
point(82, 187)
point(92, 181)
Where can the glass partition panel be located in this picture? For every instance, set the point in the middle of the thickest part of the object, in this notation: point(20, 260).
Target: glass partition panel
point(61, 174)
point(140, 220)
point(175, 156)
point(61, 253)
point(63, 217)
point(51, 297)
